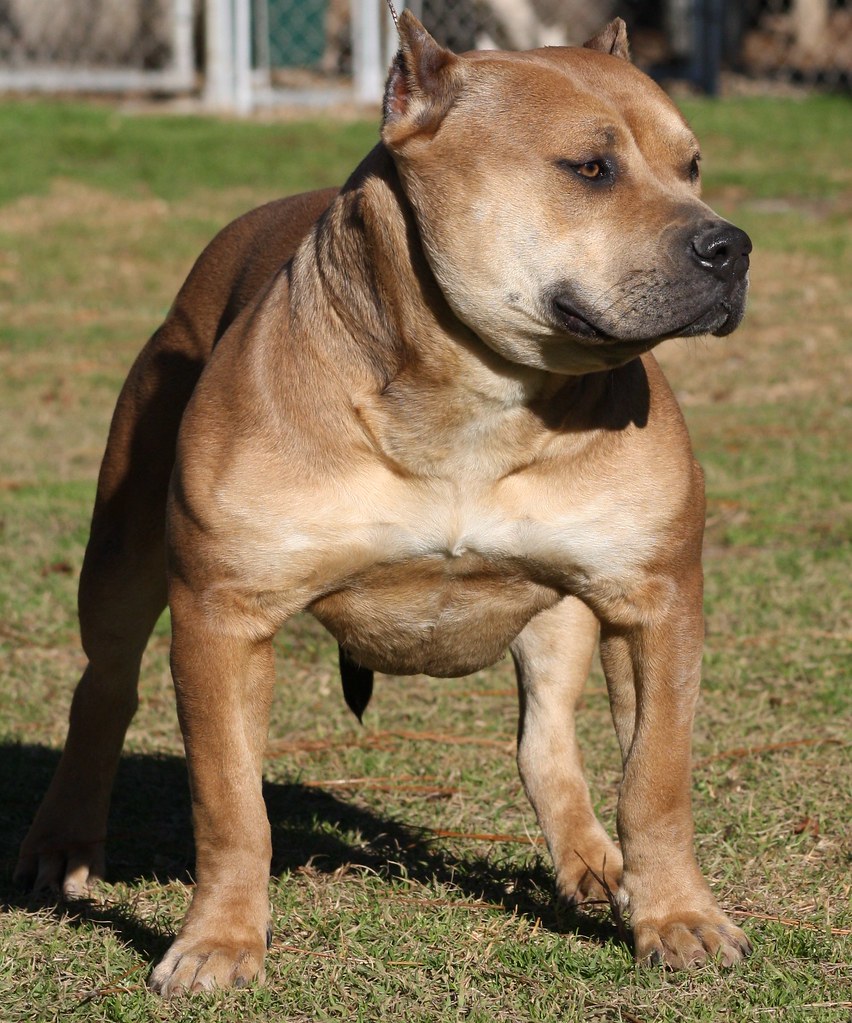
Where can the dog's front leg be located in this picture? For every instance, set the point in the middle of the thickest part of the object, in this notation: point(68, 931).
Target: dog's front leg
point(223, 679)
point(552, 658)
point(657, 663)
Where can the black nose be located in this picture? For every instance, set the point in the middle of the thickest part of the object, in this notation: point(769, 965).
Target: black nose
point(722, 249)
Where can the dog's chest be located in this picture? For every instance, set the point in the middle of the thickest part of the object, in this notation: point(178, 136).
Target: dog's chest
point(442, 580)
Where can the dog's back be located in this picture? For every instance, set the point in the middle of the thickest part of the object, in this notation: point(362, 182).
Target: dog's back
point(129, 516)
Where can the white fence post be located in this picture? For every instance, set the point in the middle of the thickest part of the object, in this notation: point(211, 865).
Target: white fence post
point(243, 98)
point(228, 67)
point(183, 58)
point(368, 71)
point(219, 62)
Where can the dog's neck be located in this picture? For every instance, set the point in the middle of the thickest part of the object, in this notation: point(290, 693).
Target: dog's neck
point(389, 289)
point(423, 382)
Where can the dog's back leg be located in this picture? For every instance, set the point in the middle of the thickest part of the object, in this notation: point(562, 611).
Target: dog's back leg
point(122, 593)
point(123, 582)
point(552, 657)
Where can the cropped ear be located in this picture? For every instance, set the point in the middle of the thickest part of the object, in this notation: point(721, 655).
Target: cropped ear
point(612, 39)
point(422, 84)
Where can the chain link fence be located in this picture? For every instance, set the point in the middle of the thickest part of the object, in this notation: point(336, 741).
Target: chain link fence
point(296, 48)
point(808, 41)
point(66, 45)
point(796, 41)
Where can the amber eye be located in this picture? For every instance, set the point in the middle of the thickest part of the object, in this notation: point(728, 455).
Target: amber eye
point(597, 171)
point(592, 169)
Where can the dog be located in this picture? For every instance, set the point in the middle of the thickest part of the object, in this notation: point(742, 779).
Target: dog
point(424, 409)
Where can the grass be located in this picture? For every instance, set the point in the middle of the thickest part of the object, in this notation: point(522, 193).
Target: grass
point(377, 915)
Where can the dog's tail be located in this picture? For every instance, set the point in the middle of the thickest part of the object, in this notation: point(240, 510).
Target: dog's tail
point(357, 684)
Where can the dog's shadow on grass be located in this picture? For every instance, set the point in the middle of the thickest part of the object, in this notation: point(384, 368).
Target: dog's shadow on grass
point(150, 838)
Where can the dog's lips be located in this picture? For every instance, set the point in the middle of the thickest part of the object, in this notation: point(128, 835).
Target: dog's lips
point(574, 323)
point(720, 318)
point(580, 326)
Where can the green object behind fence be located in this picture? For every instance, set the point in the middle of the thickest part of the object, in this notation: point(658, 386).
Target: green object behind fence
point(296, 32)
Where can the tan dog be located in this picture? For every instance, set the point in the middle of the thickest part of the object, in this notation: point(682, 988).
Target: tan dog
point(437, 429)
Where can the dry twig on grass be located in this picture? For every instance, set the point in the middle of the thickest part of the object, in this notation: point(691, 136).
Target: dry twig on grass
point(741, 752)
point(786, 921)
point(383, 739)
point(485, 836)
point(405, 783)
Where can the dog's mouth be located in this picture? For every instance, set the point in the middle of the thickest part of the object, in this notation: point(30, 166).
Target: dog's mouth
point(569, 319)
point(719, 319)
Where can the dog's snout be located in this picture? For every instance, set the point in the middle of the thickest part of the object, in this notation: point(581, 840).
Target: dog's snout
point(722, 249)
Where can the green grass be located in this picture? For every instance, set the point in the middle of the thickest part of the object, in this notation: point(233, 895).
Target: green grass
point(775, 149)
point(376, 916)
point(170, 158)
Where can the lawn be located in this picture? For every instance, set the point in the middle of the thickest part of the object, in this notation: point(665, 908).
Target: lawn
point(409, 882)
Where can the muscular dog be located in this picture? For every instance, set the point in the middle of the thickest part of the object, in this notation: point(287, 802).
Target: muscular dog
point(427, 415)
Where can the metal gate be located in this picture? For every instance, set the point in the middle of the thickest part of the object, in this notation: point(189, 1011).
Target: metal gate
point(259, 52)
point(96, 45)
point(241, 54)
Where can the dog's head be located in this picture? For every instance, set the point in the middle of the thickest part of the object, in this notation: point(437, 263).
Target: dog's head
point(557, 196)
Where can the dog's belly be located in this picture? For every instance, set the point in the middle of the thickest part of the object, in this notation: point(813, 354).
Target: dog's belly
point(440, 616)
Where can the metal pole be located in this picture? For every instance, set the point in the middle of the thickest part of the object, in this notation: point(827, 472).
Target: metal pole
point(183, 59)
point(218, 61)
point(367, 66)
point(243, 98)
point(708, 28)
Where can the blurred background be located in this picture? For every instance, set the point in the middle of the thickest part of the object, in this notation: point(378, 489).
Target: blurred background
point(243, 54)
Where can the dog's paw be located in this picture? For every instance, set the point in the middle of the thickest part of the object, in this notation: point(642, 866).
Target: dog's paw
point(591, 874)
point(690, 940)
point(198, 965)
point(59, 866)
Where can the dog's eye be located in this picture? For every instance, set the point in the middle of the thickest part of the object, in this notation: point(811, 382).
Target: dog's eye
point(594, 170)
point(694, 171)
